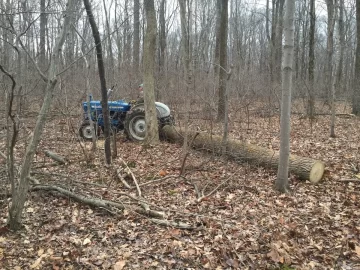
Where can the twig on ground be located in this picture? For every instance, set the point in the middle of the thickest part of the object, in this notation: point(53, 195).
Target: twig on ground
point(2, 155)
point(122, 179)
point(157, 180)
point(133, 177)
point(182, 170)
point(349, 180)
point(215, 189)
point(178, 224)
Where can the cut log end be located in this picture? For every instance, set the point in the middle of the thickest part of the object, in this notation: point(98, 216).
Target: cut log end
point(317, 172)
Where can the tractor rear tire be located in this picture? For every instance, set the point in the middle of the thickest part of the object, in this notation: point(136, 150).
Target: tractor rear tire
point(135, 125)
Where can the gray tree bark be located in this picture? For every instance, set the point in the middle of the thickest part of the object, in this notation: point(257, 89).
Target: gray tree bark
point(336, 67)
point(109, 45)
point(223, 33)
point(217, 39)
point(186, 60)
point(136, 42)
point(162, 35)
point(43, 22)
point(311, 70)
point(330, 45)
point(356, 93)
point(342, 45)
point(152, 132)
point(281, 183)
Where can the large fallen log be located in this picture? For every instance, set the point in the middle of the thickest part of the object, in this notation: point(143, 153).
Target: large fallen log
point(304, 168)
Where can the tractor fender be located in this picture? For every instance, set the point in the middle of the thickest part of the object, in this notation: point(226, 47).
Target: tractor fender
point(162, 110)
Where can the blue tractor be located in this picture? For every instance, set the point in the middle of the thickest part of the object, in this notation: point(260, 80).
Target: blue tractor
point(129, 117)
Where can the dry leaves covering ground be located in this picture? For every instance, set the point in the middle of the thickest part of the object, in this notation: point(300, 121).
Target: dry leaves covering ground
point(245, 224)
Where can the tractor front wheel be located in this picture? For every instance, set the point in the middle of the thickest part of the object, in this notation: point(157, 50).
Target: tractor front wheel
point(135, 125)
point(86, 132)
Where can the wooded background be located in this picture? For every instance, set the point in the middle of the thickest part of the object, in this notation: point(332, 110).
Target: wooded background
point(325, 50)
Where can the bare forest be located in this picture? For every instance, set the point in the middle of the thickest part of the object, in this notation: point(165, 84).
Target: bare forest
point(180, 134)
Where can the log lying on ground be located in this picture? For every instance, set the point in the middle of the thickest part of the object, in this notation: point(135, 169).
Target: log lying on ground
point(55, 156)
point(304, 168)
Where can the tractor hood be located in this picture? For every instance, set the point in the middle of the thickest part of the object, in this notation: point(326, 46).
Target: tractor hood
point(119, 105)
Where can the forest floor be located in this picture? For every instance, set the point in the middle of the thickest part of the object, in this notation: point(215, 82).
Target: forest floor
point(244, 224)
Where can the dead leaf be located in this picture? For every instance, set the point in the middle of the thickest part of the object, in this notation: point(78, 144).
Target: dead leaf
point(275, 256)
point(218, 238)
point(127, 254)
point(75, 214)
point(86, 241)
point(119, 265)
point(40, 252)
point(281, 221)
point(357, 250)
point(37, 262)
point(162, 173)
point(207, 265)
point(101, 144)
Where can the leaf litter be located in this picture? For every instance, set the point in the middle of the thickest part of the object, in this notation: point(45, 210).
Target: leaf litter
point(244, 224)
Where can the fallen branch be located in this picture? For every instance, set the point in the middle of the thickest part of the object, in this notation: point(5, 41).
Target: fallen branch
point(178, 224)
point(345, 115)
point(100, 203)
point(55, 156)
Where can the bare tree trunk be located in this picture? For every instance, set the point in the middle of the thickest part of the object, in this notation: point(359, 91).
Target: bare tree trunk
point(161, 76)
point(19, 196)
point(217, 39)
point(104, 97)
point(162, 35)
point(11, 133)
point(356, 93)
point(152, 132)
point(5, 37)
point(278, 40)
point(330, 46)
point(136, 42)
point(311, 71)
point(223, 61)
point(43, 22)
point(186, 59)
point(109, 43)
point(283, 169)
point(341, 38)
point(336, 67)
